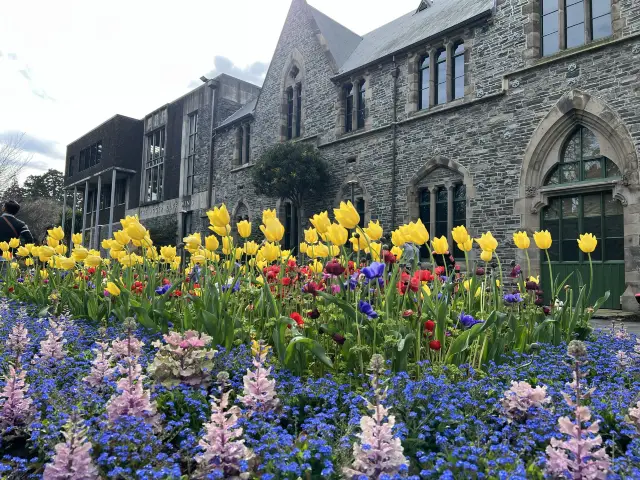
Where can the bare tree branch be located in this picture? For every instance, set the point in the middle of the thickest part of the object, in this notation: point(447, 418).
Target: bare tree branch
point(13, 159)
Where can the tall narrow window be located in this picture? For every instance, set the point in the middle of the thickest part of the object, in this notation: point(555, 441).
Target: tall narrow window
point(98, 151)
point(298, 110)
point(550, 35)
point(121, 191)
point(574, 23)
point(459, 212)
point(441, 77)
point(191, 151)
point(424, 82)
point(458, 70)
point(240, 143)
point(72, 160)
point(154, 165)
point(81, 164)
point(600, 18)
point(290, 226)
point(92, 155)
point(442, 212)
point(361, 103)
point(247, 143)
point(289, 115)
point(348, 107)
point(360, 209)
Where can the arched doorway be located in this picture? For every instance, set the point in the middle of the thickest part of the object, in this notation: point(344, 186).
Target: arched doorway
point(570, 213)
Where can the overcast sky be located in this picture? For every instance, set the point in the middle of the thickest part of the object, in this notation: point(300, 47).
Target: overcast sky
point(68, 65)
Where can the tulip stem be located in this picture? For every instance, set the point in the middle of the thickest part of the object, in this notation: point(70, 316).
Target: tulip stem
point(590, 278)
point(553, 288)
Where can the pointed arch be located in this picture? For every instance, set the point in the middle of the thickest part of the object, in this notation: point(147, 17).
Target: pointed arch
point(543, 152)
point(293, 92)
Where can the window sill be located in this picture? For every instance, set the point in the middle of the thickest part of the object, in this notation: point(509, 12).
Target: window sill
point(584, 185)
point(147, 204)
point(241, 167)
point(573, 52)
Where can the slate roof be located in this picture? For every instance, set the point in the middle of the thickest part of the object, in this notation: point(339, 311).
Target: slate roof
point(413, 28)
point(246, 109)
point(340, 40)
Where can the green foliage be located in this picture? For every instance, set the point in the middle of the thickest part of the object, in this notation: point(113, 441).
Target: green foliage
point(292, 171)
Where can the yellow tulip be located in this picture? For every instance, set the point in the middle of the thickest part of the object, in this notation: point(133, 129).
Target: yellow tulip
point(487, 242)
point(587, 242)
point(373, 230)
point(358, 242)
point(303, 247)
point(486, 255)
point(321, 222)
point(311, 235)
point(121, 237)
point(334, 250)
point(76, 238)
point(460, 235)
point(4, 246)
point(244, 228)
point(347, 215)
point(14, 243)
point(53, 242)
point(272, 230)
point(316, 266)
point(397, 251)
point(28, 262)
point(45, 253)
point(65, 263)
point(318, 251)
point(136, 231)
point(29, 246)
point(44, 273)
point(440, 245)
point(61, 249)
point(192, 242)
point(337, 234)
point(270, 251)
point(467, 286)
point(534, 279)
point(542, 239)
point(251, 248)
point(227, 245)
point(222, 231)
point(267, 214)
point(56, 233)
point(466, 246)
point(22, 252)
point(130, 260)
point(239, 253)
point(198, 259)
point(521, 239)
point(168, 253)
point(374, 250)
point(420, 234)
point(211, 243)
point(116, 254)
point(80, 253)
point(113, 289)
point(7, 255)
point(219, 216)
point(426, 290)
point(151, 253)
point(128, 220)
point(397, 238)
point(92, 260)
point(14, 265)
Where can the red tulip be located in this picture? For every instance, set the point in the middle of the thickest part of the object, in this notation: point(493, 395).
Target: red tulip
point(297, 318)
point(435, 345)
point(430, 325)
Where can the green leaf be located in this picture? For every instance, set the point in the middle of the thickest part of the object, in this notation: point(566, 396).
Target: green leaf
point(463, 341)
point(345, 306)
point(311, 345)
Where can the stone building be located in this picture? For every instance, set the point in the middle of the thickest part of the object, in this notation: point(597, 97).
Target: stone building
point(499, 115)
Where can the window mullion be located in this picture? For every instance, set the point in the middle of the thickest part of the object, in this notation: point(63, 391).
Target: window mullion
point(588, 21)
point(560, 228)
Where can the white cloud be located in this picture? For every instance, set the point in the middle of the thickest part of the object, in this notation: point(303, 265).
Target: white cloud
point(77, 63)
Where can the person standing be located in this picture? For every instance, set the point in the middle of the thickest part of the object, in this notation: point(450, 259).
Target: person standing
point(10, 226)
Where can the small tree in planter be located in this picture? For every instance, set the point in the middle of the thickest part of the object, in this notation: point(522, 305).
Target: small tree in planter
point(291, 171)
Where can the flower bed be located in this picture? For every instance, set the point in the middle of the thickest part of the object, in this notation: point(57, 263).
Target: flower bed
point(450, 421)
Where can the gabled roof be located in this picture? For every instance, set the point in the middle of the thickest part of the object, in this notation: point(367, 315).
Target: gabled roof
point(244, 111)
point(414, 27)
point(340, 40)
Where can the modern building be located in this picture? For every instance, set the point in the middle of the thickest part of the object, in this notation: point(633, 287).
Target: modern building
point(498, 115)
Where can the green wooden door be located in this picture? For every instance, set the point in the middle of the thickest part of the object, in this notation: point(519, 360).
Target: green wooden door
point(566, 218)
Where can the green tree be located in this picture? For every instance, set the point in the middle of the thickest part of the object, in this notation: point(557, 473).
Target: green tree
point(46, 185)
point(291, 171)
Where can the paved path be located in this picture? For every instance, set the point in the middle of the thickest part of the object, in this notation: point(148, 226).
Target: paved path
point(631, 327)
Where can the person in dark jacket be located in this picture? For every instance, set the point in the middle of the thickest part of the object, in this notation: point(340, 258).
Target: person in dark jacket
point(11, 227)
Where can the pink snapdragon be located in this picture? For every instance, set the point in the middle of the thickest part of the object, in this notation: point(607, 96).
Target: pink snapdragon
point(52, 347)
point(72, 459)
point(581, 456)
point(378, 452)
point(18, 339)
point(259, 389)
point(224, 448)
point(101, 366)
point(17, 407)
point(520, 398)
point(634, 416)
